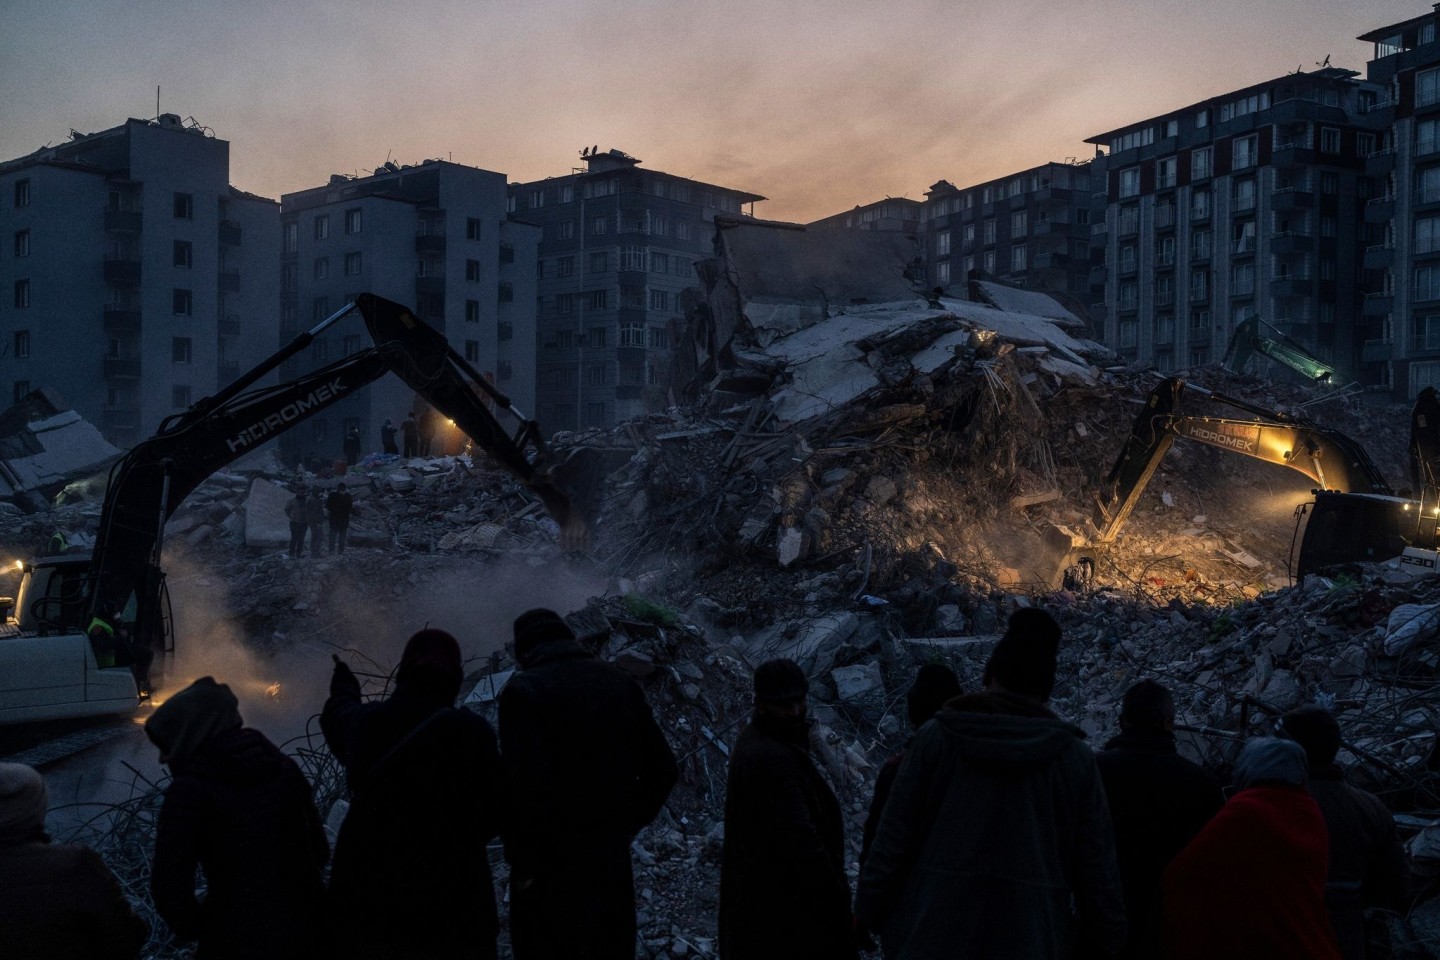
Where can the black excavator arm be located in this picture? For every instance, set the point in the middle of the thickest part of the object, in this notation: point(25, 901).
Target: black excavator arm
point(1334, 461)
point(1248, 340)
point(150, 482)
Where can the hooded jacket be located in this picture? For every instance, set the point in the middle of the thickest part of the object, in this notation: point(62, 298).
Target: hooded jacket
point(996, 823)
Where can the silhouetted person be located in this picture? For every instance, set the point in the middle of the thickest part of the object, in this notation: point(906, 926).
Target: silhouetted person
point(996, 840)
point(1251, 885)
point(387, 437)
point(409, 432)
point(1367, 863)
point(338, 506)
point(934, 684)
point(57, 901)
point(295, 512)
point(314, 520)
point(115, 646)
point(587, 768)
point(411, 877)
point(1158, 802)
point(783, 888)
point(351, 445)
point(427, 431)
point(240, 811)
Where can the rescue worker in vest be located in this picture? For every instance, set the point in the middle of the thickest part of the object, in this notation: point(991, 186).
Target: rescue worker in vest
point(114, 647)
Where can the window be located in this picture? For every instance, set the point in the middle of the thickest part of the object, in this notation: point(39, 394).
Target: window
point(1244, 233)
point(322, 268)
point(1165, 251)
point(564, 303)
point(506, 293)
point(350, 345)
point(1166, 169)
point(967, 236)
point(292, 237)
point(1129, 295)
point(942, 271)
point(320, 349)
point(1018, 224)
point(180, 396)
point(20, 390)
point(182, 302)
point(22, 243)
point(353, 264)
point(320, 308)
point(322, 226)
point(659, 226)
point(1199, 321)
point(507, 253)
point(353, 221)
point(22, 344)
point(659, 263)
point(1427, 283)
point(1427, 137)
point(1242, 152)
point(1135, 138)
point(598, 225)
point(598, 299)
point(599, 262)
point(565, 230)
point(989, 261)
point(1242, 195)
point(659, 299)
point(1427, 87)
point(1329, 140)
point(1017, 258)
point(1245, 105)
point(180, 350)
point(1199, 285)
point(184, 206)
point(1427, 235)
point(1242, 280)
point(1165, 329)
point(22, 199)
point(596, 337)
point(681, 266)
point(1130, 182)
point(1200, 163)
point(942, 243)
point(1128, 329)
point(632, 334)
point(565, 266)
point(472, 271)
point(472, 351)
point(1128, 259)
point(1199, 204)
point(1327, 269)
point(1129, 220)
point(183, 253)
point(472, 311)
point(1200, 245)
point(659, 338)
point(989, 231)
point(472, 228)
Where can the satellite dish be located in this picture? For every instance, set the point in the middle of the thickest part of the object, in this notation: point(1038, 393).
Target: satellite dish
point(595, 149)
point(584, 151)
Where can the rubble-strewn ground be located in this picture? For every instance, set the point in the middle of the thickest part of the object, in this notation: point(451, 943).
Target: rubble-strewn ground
point(894, 529)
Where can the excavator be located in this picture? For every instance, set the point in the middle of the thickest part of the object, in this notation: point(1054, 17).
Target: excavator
point(1355, 516)
point(48, 667)
point(1248, 340)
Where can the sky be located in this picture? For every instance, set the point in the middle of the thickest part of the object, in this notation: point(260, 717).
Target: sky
point(818, 105)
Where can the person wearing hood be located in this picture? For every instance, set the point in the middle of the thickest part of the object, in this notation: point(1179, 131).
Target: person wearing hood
point(1158, 802)
point(1367, 863)
point(240, 810)
point(387, 437)
point(411, 876)
point(57, 901)
point(1251, 885)
point(587, 768)
point(783, 888)
point(996, 834)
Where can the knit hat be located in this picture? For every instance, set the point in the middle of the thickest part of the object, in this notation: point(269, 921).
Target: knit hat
point(1270, 760)
point(934, 684)
point(777, 681)
point(23, 801)
point(192, 718)
point(431, 663)
point(1023, 662)
point(534, 627)
point(1147, 705)
point(1313, 727)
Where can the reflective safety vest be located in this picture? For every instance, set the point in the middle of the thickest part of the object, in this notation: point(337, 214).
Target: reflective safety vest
point(104, 650)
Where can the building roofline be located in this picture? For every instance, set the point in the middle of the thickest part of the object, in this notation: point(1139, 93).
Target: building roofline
point(1382, 33)
point(744, 195)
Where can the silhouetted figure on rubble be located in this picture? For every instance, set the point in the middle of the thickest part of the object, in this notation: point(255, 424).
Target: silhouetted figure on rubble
point(387, 437)
point(411, 875)
point(409, 432)
point(57, 901)
point(783, 888)
point(1367, 864)
point(241, 811)
point(1251, 885)
point(996, 840)
point(587, 768)
point(427, 431)
point(1158, 802)
point(934, 684)
point(338, 507)
point(351, 446)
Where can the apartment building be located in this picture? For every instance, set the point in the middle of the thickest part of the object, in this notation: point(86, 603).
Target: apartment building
point(1247, 203)
point(617, 254)
point(135, 278)
point(1402, 217)
point(891, 215)
point(1029, 229)
point(434, 236)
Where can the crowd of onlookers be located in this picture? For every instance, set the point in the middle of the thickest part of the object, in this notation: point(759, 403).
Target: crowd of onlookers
point(997, 833)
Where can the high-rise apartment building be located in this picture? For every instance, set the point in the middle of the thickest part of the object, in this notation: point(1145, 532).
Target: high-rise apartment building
point(891, 215)
point(1402, 217)
point(434, 236)
point(1250, 203)
point(134, 279)
point(617, 253)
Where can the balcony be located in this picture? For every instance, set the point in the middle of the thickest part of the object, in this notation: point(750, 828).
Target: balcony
point(429, 243)
point(1292, 198)
point(1044, 227)
point(434, 286)
point(121, 320)
point(1380, 163)
point(120, 418)
point(1380, 256)
point(1292, 285)
point(1426, 146)
point(1054, 196)
point(1127, 266)
point(1291, 242)
point(1380, 209)
point(122, 271)
point(1098, 275)
point(1292, 154)
point(1378, 304)
point(230, 233)
point(1375, 351)
point(229, 281)
point(118, 368)
point(1128, 305)
point(123, 221)
point(1045, 261)
point(229, 325)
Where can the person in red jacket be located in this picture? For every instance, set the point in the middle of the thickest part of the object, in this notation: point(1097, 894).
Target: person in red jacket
point(1252, 883)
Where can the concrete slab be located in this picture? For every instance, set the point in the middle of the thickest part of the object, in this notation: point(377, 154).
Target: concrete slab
point(265, 522)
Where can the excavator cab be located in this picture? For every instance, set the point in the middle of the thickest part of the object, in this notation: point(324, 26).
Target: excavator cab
point(1356, 527)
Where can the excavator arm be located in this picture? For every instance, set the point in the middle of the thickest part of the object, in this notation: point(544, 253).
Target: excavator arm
point(1248, 340)
point(150, 482)
point(1334, 461)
